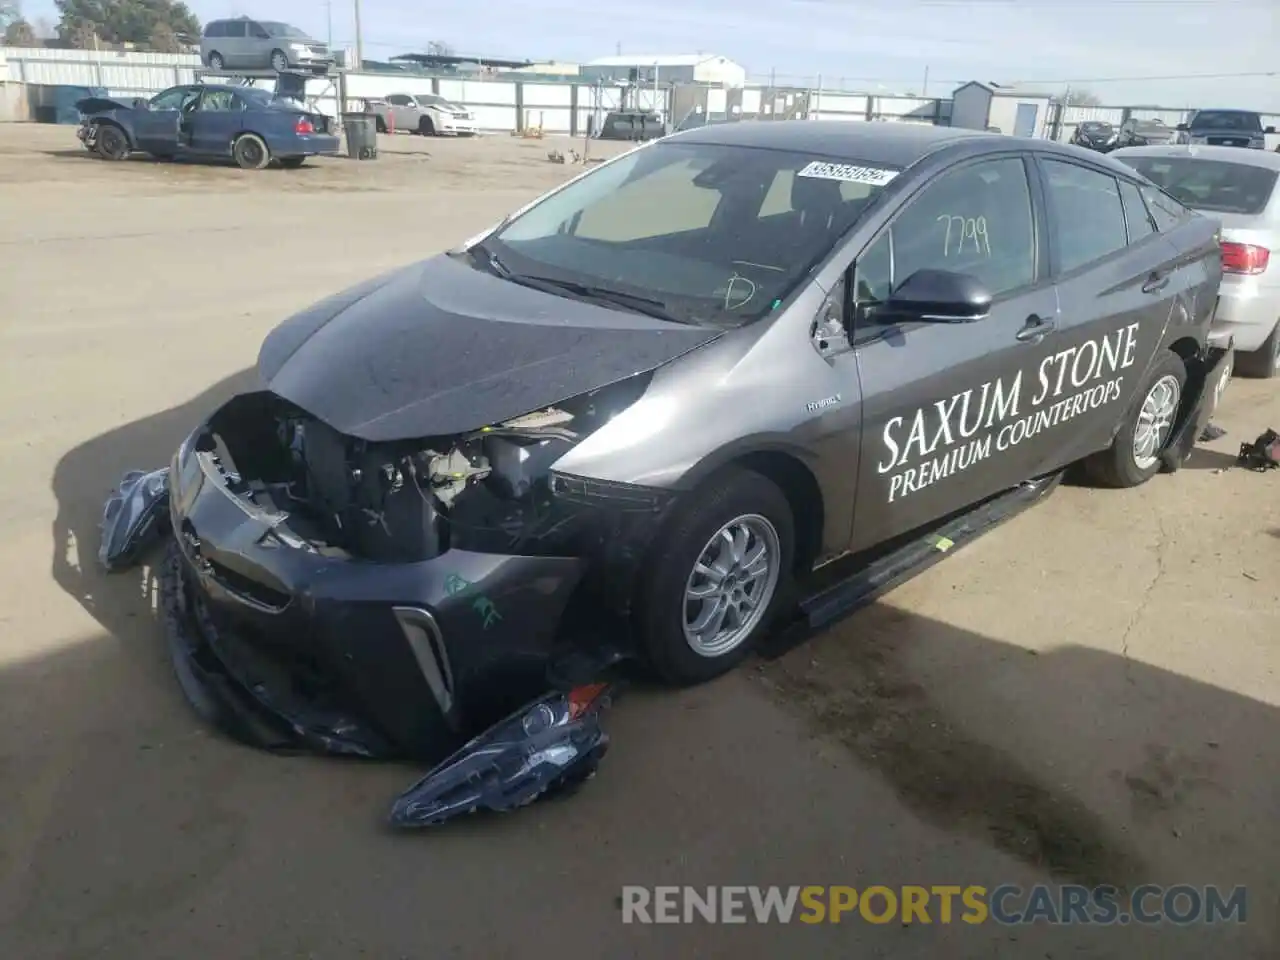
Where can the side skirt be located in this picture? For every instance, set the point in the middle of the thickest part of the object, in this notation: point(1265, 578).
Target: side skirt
point(871, 580)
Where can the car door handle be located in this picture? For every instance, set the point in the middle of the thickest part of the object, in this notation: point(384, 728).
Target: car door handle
point(1035, 328)
point(1155, 283)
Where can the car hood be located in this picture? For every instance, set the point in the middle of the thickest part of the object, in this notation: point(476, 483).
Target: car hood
point(442, 348)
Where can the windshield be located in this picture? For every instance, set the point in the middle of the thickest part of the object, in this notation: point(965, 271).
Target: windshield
point(1152, 127)
point(1095, 126)
point(283, 30)
point(1227, 120)
point(715, 234)
point(1219, 186)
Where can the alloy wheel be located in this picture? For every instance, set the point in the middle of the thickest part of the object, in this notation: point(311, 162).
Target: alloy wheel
point(1155, 420)
point(731, 585)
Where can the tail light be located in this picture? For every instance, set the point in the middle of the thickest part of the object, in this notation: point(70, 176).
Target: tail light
point(304, 126)
point(1244, 258)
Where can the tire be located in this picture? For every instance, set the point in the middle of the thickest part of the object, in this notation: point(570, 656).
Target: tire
point(1263, 363)
point(379, 125)
point(735, 499)
point(426, 127)
point(279, 61)
point(292, 163)
point(250, 152)
point(1120, 465)
point(215, 61)
point(112, 144)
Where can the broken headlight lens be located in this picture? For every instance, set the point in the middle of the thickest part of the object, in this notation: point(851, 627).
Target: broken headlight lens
point(134, 515)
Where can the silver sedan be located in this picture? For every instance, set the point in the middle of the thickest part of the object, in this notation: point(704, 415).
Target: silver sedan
point(1237, 188)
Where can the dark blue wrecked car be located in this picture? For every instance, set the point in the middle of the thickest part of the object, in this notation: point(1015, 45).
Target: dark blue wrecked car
point(207, 121)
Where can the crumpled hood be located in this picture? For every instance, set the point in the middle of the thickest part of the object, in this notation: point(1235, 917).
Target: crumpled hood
point(100, 105)
point(441, 348)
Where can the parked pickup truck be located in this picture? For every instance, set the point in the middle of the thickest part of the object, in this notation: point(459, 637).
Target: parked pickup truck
point(427, 114)
point(1225, 128)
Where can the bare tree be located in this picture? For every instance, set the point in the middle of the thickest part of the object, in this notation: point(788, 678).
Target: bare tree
point(19, 34)
point(82, 36)
point(1078, 97)
point(10, 12)
point(164, 40)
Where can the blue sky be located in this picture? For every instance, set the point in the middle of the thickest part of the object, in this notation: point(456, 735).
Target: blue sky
point(1098, 44)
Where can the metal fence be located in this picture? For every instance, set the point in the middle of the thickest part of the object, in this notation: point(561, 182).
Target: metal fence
point(556, 105)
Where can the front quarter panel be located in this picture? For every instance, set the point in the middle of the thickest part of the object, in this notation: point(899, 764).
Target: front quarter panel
point(760, 389)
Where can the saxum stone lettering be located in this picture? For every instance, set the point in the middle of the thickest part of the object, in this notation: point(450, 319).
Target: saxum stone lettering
point(952, 435)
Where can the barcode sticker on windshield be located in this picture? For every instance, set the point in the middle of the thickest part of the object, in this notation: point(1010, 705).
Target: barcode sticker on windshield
point(847, 173)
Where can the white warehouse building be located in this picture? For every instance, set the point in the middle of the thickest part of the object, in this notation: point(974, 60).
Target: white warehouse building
point(707, 68)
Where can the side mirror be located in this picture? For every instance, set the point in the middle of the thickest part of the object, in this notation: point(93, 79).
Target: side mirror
point(1182, 127)
point(940, 296)
point(1269, 130)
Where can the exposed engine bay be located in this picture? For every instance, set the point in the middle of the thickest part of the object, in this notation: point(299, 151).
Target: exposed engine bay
point(406, 501)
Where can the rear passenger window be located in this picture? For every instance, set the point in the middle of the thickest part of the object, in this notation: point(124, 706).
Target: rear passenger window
point(1135, 213)
point(216, 29)
point(1166, 211)
point(235, 28)
point(1087, 215)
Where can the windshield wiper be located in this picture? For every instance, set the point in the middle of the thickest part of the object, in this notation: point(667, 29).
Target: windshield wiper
point(487, 259)
point(628, 301)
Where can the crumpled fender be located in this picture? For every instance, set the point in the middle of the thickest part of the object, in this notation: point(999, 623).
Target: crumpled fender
point(90, 105)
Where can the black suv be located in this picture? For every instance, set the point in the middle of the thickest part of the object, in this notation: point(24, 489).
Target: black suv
point(1225, 128)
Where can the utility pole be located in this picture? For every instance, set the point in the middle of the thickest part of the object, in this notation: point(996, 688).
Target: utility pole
point(924, 90)
point(328, 13)
point(359, 42)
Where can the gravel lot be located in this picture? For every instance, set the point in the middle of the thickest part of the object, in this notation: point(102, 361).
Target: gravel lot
point(1089, 694)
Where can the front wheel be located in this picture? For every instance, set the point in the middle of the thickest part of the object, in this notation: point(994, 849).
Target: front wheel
point(279, 62)
point(1134, 456)
point(112, 144)
point(250, 152)
point(426, 127)
point(716, 577)
point(215, 61)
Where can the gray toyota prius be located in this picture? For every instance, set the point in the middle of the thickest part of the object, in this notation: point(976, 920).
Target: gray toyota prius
point(734, 379)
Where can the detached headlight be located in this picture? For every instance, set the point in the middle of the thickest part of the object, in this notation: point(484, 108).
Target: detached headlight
point(1258, 143)
point(133, 516)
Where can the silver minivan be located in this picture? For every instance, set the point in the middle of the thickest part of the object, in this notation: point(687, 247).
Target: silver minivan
point(260, 45)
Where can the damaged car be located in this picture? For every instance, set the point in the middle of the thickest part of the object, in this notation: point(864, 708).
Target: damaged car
point(737, 378)
point(207, 121)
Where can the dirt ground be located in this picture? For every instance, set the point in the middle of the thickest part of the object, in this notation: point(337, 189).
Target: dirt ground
point(1088, 694)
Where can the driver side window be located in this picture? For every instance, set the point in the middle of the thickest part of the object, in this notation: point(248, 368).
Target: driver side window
point(976, 219)
point(171, 99)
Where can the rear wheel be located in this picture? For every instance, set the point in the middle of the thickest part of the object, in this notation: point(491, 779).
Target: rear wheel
point(716, 577)
point(1134, 456)
point(279, 62)
point(112, 142)
point(1263, 363)
point(426, 127)
point(250, 152)
point(379, 124)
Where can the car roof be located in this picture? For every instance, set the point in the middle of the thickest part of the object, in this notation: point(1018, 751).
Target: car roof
point(1267, 159)
point(896, 144)
point(1223, 110)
